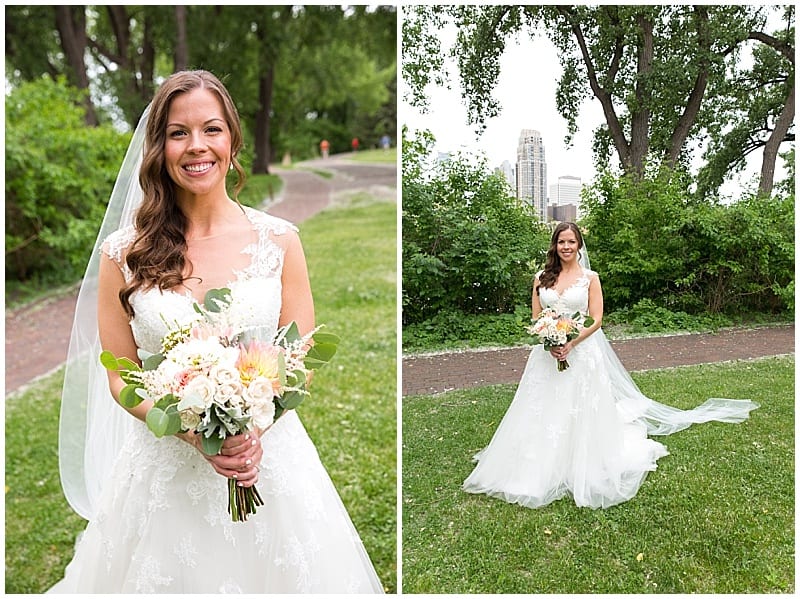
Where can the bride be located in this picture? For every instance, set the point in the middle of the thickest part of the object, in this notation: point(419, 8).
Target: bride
point(582, 431)
point(157, 508)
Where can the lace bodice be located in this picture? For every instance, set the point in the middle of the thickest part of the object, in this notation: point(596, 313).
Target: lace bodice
point(257, 286)
point(574, 298)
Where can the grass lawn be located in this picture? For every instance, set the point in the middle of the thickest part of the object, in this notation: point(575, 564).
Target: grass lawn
point(375, 155)
point(352, 418)
point(716, 517)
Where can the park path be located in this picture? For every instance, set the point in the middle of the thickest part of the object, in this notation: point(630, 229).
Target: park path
point(37, 335)
point(436, 373)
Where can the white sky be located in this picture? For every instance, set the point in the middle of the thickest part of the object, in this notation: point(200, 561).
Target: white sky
point(526, 89)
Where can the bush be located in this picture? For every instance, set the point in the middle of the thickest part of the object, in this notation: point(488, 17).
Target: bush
point(468, 245)
point(652, 239)
point(59, 175)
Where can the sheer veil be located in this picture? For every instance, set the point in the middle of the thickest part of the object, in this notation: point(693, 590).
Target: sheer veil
point(92, 425)
point(661, 419)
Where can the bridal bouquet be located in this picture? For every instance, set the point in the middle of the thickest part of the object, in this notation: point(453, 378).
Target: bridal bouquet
point(216, 379)
point(554, 330)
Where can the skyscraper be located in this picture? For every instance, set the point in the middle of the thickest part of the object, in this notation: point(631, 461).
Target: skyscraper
point(566, 192)
point(532, 171)
point(508, 172)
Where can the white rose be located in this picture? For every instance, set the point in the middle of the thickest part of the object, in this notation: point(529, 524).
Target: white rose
point(230, 393)
point(259, 389)
point(202, 389)
point(224, 374)
point(189, 420)
point(262, 413)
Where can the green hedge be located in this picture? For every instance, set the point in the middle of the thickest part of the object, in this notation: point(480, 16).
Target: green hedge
point(59, 174)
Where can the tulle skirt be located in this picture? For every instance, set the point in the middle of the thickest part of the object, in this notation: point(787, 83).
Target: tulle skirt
point(582, 432)
point(164, 527)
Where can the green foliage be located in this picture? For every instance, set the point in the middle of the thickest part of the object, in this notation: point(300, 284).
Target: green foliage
point(670, 78)
point(467, 243)
point(651, 239)
point(453, 329)
point(59, 175)
point(717, 516)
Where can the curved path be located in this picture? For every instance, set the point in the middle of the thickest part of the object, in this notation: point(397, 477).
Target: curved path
point(427, 374)
point(37, 335)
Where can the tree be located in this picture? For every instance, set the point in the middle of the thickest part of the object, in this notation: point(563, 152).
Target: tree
point(656, 70)
point(758, 114)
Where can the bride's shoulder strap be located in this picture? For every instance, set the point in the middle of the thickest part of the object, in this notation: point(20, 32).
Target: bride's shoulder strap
point(116, 243)
point(270, 223)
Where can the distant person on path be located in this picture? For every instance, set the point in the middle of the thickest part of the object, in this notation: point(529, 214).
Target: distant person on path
point(354, 144)
point(158, 507)
point(324, 147)
point(385, 141)
point(581, 428)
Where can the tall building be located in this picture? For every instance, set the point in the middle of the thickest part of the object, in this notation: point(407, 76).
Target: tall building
point(508, 172)
point(566, 191)
point(532, 171)
point(565, 198)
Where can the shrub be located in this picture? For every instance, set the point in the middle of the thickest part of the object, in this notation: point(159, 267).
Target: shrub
point(59, 175)
point(651, 239)
point(468, 245)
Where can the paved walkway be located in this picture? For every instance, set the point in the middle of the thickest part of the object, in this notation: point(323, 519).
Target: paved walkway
point(37, 335)
point(427, 374)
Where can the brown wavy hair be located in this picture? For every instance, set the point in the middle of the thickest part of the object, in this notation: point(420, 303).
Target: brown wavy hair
point(157, 256)
point(552, 266)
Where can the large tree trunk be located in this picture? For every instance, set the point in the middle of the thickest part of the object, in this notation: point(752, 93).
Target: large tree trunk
point(261, 160)
point(640, 118)
point(614, 126)
point(692, 109)
point(181, 41)
point(71, 25)
point(773, 143)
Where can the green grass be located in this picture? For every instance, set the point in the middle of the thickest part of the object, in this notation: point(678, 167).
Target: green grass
point(389, 155)
point(716, 517)
point(260, 188)
point(352, 418)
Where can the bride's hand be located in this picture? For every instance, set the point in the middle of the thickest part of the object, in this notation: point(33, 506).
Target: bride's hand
point(561, 352)
point(239, 458)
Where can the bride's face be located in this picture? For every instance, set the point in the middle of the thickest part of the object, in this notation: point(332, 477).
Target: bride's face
point(567, 246)
point(197, 150)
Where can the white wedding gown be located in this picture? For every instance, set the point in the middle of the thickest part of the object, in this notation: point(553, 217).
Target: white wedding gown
point(583, 431)
point(162, 524)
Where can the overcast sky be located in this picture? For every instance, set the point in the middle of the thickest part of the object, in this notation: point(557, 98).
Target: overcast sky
point(526, 89)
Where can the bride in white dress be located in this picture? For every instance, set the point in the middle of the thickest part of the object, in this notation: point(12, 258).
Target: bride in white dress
point(157, 508)
point(582, 431)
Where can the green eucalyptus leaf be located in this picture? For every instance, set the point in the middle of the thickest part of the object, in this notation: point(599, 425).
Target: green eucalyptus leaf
point(166, 401)
point(215, 297)
point(108, 360)
point(152, 361)
point(128, 397)
point(323, 337)
point(291, 332)
point(212, 445)
point(290, 400)
point(321, 352)
point(157, 421)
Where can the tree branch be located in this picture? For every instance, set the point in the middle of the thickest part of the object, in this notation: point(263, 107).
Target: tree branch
point(614, 126)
